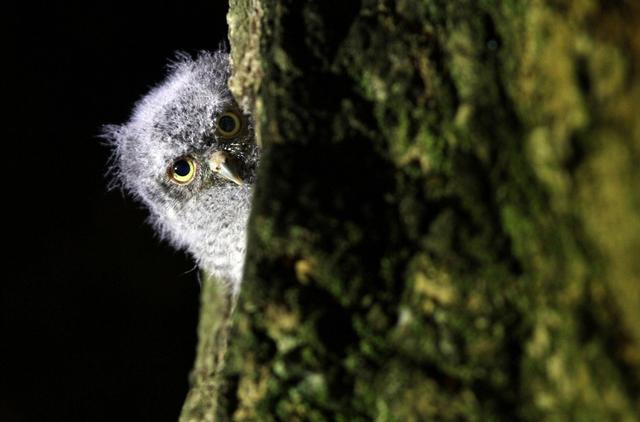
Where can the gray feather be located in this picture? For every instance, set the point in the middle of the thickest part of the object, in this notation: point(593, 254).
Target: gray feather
point(178, 118)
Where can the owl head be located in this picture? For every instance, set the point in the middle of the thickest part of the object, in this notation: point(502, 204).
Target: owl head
point(188, 154)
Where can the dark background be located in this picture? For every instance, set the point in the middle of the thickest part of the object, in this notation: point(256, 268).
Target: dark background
point(98, 318)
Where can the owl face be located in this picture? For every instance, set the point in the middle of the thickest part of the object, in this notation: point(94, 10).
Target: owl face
point(219, 153)
point(188, 153)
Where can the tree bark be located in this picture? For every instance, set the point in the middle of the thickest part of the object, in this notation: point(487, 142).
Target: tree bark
point(216, 306)
point(447, 220)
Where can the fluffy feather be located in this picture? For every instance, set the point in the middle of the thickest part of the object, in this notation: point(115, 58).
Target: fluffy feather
point(175, 119)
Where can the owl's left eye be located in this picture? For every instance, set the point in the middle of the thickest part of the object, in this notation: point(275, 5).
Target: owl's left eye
point(183, 170)
point(229, 124)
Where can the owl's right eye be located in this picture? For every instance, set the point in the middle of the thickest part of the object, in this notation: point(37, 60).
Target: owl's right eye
point(183, 170)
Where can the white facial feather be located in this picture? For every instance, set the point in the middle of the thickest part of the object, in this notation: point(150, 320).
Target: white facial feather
point(177, 120)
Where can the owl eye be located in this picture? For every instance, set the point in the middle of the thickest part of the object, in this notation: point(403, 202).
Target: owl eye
point(183, 170)
point(229, 124)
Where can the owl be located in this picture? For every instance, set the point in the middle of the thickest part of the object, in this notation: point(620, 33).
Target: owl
point(188, 153)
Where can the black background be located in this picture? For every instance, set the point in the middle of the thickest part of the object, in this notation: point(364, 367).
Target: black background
point(98, 317)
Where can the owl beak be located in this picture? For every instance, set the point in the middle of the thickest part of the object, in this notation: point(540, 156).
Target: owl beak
point(225, 166)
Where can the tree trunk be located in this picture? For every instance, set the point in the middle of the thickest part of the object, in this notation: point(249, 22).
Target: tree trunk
point(447, 219)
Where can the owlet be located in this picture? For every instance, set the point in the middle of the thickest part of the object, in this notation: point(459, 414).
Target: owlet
point(189, 155)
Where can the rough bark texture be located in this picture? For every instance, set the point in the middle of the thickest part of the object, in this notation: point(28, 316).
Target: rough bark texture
point(216, 305)
point(447, 222)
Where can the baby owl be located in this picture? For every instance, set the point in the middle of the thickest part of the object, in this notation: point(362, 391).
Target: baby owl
point(188, 154)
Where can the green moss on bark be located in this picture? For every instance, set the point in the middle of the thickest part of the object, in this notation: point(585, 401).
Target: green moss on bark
point(201, 403)
point(447, 221)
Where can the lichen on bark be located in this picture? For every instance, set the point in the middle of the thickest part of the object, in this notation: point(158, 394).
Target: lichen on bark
point(447, 219)
point(216, 305)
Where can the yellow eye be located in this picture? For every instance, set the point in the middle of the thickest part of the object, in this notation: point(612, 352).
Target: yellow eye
point(183, 170)
point(229, 124)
